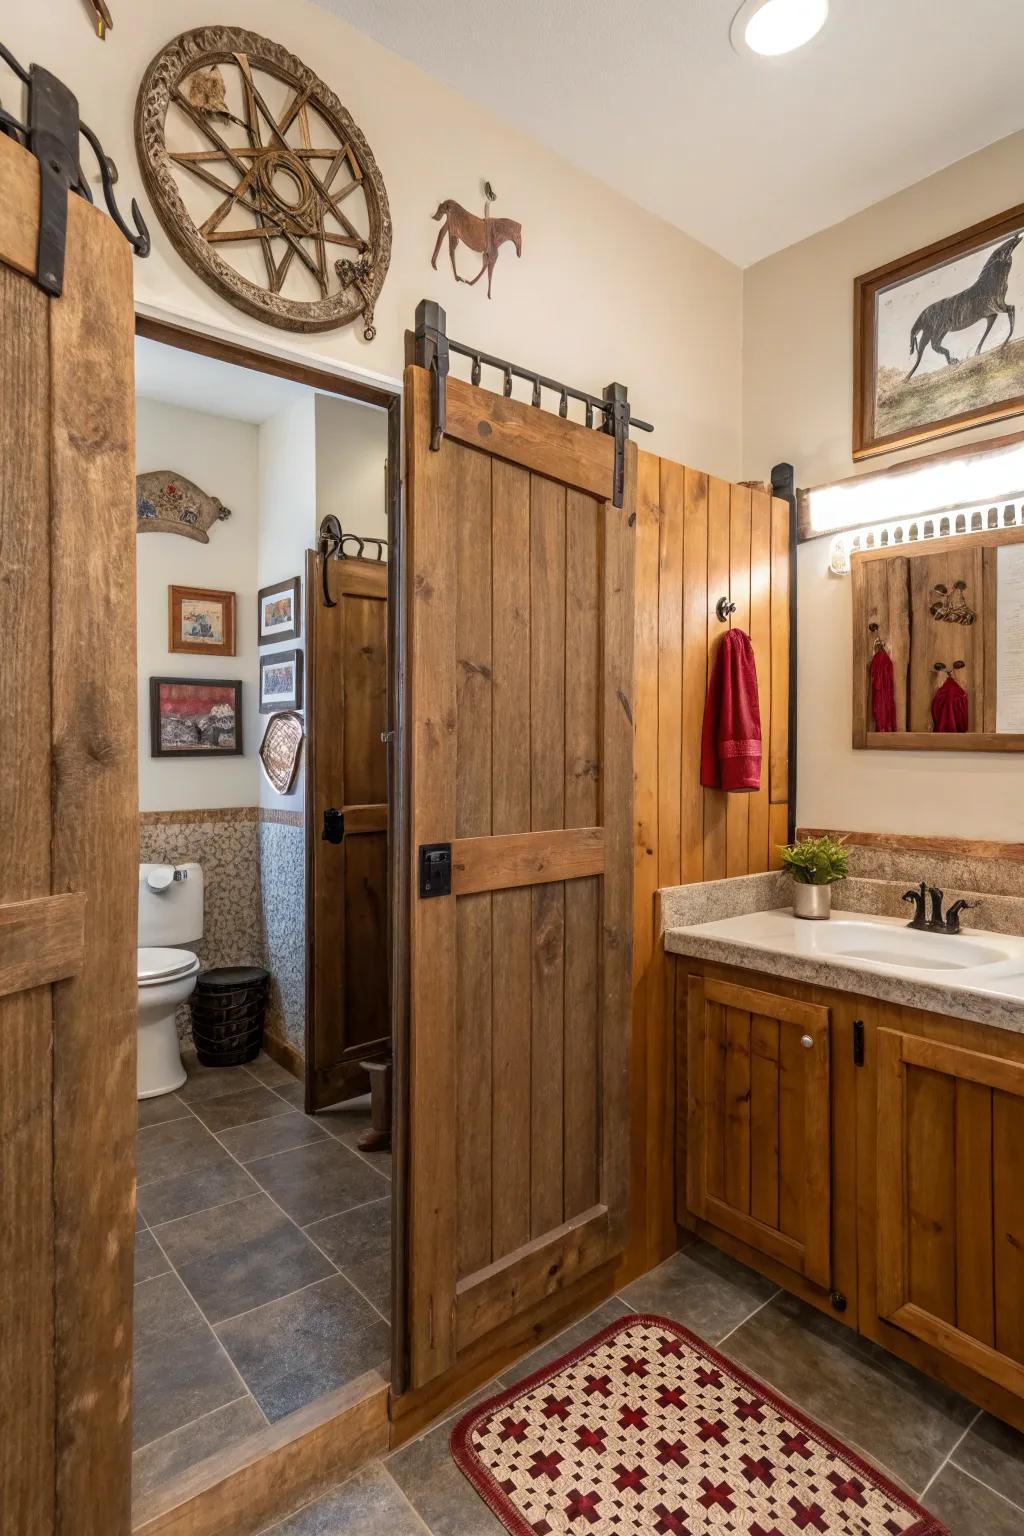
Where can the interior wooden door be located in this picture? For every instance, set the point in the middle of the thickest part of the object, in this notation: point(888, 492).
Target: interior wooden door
point(950, 1201)
point(68, 876)
point(347, 827)
point(758, 1139)
point(520, 758)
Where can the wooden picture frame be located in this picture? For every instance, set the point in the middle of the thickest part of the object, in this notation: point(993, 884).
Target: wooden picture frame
point(275, 668)
point(933, 399)
point(205, 612)
point(196, 698)
point(279, 614)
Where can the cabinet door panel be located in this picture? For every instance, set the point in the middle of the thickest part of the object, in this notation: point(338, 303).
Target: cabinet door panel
point(758, 1135)
point(950, 1201)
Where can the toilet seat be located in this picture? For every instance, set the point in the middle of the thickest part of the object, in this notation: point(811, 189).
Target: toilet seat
point(157, 966)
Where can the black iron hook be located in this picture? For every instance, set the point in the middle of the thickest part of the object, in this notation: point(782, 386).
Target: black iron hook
point(139, 238)
point(723, 608)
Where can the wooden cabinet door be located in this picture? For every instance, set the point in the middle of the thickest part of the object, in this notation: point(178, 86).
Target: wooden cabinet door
point(346, 707)
point(520, 740)
point(758, 1126)
point(950, 1201)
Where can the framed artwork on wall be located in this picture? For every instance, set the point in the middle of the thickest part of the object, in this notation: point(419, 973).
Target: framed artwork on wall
point(280, 682)
point(195, 717)
point(280, 612)
point(200, 621)
point(936, 347)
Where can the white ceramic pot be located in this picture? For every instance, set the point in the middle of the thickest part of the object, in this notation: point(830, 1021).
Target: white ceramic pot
point(812, 901)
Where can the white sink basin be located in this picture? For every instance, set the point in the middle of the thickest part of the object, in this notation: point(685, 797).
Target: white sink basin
point(908, 947)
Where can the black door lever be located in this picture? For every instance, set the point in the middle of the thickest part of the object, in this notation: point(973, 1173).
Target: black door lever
point(334, 826)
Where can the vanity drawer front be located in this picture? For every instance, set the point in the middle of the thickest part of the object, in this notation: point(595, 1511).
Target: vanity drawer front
point(950, 1201)
point(758, 1133)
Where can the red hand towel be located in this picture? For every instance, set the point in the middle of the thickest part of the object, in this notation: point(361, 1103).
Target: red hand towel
point(883, 691)
point(949, 707)
point(730, 752)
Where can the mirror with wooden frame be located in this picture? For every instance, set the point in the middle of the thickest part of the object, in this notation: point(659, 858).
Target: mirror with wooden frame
point(938, 644)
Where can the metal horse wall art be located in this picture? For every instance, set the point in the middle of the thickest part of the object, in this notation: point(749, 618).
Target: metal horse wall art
point(485, 236)
point(983, 300)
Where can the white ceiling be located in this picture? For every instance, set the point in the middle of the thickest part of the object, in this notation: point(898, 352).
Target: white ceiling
point(748, 155)
point(205, 384)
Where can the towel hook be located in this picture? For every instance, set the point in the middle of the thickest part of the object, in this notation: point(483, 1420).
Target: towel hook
point(879, 644)
point(723, 608)
point(940, 666)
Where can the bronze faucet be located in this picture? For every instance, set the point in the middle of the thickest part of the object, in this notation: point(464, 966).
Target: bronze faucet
point(936, 923)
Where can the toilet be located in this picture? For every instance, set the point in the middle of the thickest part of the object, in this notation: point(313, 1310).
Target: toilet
point(170, 917)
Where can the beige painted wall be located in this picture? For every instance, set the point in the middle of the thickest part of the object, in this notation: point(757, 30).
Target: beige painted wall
point(603, 290)
point(797, 406)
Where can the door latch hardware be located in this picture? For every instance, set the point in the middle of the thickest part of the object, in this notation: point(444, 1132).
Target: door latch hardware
point(334, 826)
point(838, 1301)
point(858, 1042)
point(435, 869)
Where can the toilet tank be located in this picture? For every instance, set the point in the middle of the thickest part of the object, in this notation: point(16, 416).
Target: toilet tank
point(174, 915)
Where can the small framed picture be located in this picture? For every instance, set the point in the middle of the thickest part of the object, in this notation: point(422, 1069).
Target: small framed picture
point(200, 622)
point(280, 682)
point(279, 612)
point(195, 717)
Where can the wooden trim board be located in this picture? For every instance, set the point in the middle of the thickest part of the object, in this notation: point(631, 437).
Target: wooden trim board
point(954, 847)
point(41, 941)
point(275, 1471)
point(525, 858)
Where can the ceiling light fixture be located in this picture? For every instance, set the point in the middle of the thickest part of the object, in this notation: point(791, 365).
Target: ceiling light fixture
point(774, 27)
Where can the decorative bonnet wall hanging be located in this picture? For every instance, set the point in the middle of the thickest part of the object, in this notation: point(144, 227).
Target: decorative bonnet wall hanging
point(170, 503)
point(263, 182)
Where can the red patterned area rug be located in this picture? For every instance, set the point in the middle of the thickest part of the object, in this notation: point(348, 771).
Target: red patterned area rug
point(645, 1428)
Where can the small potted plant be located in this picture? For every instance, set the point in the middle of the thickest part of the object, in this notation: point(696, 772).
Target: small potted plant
point(815, 864)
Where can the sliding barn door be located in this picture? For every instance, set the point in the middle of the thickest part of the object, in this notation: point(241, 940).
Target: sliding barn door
point(68, 881)
point(520, 618)
point(347, 824)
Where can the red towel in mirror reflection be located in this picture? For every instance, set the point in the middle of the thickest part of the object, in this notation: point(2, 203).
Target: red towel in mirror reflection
point(883, 691)
point(730, 751)
point(949, 707)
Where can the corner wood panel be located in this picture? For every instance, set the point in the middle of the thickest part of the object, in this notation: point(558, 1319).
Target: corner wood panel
point(950, 1202)
point(758, 1158)
point(520, 675)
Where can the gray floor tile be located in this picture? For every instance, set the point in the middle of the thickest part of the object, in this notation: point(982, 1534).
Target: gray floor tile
point(167, 1106)
point(437, 1490)
point(703, 1289)
point(241, 1256)
point(266, 1070)
point(139, 1223)
point(180, 1370)
point(204, 1082)
point(994, 1453)
point(166, 1199)
point(901, 1419)
point(317, 1181)
point(183, 1448)
point(349, 1118)
point(969, 1509)
point(359, 1242)
point(149, 1260)
point(296, 1349)
point(290, 1129)
point(241, 1106)
point(380, 1161)
point(369, 1504)
point(179, 1146)
point(292, 1092)
point(610, 1311)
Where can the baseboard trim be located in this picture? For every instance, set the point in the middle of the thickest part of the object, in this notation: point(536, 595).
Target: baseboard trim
point(285, 1054)
point(274, 1472)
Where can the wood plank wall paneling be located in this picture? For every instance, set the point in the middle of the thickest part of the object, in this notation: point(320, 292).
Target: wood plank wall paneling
point(698, 538)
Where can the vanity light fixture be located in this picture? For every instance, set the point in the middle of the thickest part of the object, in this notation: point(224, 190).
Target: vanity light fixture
point(774, 27)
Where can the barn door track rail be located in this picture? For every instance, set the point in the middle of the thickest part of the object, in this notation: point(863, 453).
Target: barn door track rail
point(432, 347)
point(50, 132)
point(333, 543)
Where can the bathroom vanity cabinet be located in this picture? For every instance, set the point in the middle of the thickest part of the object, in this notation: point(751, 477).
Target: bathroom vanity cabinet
point(866, 1156)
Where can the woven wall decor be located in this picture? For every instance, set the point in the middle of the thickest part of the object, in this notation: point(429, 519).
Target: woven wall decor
point(169, 503)
point(280, 749)
point(263, 182)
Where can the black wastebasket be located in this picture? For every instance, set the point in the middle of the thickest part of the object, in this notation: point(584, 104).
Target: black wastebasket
point(228, 1008)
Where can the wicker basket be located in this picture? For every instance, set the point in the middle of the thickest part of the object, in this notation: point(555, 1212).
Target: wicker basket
point(228, 1008)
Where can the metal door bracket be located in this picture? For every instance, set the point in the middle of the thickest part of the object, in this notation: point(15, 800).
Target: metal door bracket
point(435, 869)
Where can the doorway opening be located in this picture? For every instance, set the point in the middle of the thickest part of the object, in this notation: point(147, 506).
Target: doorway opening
point(263, 1248)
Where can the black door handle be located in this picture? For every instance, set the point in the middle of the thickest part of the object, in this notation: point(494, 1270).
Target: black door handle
point(334, 826)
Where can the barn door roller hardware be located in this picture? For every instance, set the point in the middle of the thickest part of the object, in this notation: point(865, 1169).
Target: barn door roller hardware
point(334, 544)
point(433, 346)
point(50, 132)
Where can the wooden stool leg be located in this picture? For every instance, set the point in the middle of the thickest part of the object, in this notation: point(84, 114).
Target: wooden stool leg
point(378, 1137)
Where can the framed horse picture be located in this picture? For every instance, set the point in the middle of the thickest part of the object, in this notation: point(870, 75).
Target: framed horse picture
point(937, 347)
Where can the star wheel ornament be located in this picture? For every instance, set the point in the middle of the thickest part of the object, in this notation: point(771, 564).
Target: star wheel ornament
point(262, 180)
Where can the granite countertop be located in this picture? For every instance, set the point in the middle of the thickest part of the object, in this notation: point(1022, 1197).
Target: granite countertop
point(751, 927)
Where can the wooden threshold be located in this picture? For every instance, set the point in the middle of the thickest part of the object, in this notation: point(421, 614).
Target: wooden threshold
point(274, 1472)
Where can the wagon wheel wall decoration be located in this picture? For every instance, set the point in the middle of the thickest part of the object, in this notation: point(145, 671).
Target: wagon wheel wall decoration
point(262, 180)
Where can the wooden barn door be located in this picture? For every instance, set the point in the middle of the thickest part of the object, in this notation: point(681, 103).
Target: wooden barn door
point(347, 825)
point(520, 620)
point(68, 881)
